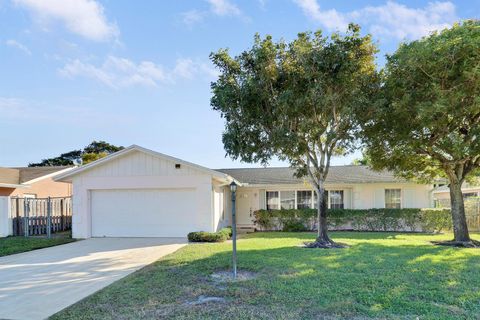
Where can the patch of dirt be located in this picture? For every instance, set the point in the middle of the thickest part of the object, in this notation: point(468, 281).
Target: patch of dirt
point(203, 300)
point(227, 276)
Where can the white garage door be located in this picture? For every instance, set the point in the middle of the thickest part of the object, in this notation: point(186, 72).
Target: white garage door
point(143, 213)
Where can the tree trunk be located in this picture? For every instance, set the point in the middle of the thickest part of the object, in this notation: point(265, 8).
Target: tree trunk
point(322, 203)
point(460, 228)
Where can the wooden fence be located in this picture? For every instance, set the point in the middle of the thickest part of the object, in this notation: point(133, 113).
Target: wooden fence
point(41, 216)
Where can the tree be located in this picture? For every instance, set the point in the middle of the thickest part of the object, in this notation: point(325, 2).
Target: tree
point(92, 152)
point(427, 121)
point(90, 157)
point(363, 161)
point(295, 101)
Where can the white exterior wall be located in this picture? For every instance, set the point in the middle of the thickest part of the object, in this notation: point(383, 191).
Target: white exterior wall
point(219, 206)
point(138, 170)
point(356, 196)
point(5, 217)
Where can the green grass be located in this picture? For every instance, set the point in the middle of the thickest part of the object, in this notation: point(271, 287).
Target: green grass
point(12, 245)
point(381, 276)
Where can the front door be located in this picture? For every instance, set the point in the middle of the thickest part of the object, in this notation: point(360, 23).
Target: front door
point(247, 203)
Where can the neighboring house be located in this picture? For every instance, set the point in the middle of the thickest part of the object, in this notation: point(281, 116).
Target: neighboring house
point(33, 182)
point(138, 192)
point(441, 195)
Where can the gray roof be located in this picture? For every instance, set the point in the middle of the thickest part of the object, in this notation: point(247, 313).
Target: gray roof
point(21, 175)
point(336, 174)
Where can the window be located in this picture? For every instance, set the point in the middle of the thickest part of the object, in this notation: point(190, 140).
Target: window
point(393, 198)
point(336, 199)
point(272, 200)
point(315, 204)
point(304, 199)
point(287, 199)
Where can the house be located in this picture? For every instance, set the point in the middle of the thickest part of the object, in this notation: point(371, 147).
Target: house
point(441, 194)
point(137, 192)
point(33, 182)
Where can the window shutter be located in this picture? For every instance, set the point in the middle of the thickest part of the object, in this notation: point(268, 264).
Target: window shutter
point(347, 199)
point(409, 198)
point(379, 198)
point(261, 199)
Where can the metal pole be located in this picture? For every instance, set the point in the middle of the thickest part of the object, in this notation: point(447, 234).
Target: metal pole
point(234, 236)
point(49, 217)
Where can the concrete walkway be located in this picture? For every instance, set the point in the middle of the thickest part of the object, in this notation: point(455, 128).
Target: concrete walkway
point(37, 284)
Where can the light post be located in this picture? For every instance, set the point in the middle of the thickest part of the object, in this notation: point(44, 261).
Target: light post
point(233, 189)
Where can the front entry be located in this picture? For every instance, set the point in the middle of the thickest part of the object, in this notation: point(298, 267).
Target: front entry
point(247, 204)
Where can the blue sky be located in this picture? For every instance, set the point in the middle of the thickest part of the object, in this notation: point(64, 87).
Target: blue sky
point(137, 72)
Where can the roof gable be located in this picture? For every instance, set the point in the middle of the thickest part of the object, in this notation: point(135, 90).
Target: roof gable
point(152, 163)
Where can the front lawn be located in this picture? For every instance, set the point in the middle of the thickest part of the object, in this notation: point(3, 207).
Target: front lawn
point(12, 245)
point(382, 275)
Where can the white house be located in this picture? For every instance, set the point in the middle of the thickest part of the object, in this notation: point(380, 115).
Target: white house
point(137, 192)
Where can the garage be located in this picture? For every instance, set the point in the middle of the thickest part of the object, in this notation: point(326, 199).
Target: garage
point(163, 213)
point(137, 192)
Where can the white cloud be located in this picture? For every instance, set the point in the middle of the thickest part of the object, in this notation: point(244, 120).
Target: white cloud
point(83, 17)
point(17, 45)
point(331, 19)
point(116, 72)
point(391, 19)
point(224, 8)
point(192, 17)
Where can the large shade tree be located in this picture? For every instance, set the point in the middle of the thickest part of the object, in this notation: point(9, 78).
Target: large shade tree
point(94, 151)
point(427, 122)
point(295, 101)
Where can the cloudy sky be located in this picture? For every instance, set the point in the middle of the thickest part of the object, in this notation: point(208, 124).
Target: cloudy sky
point(137, 72)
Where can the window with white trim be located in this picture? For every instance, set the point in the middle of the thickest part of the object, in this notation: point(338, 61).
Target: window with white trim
point(393, 198)
point(336, 199)
point(287, 199)
point(272, 200)
point(304, 199)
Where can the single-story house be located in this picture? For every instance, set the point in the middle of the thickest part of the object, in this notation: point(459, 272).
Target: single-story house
point(137, 192)
point(441, 194)
point(33, 182)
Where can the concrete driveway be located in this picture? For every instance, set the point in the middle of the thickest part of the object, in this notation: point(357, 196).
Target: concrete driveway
point(37, 284)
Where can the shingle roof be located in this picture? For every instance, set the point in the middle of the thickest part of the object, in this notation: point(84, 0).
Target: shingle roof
point(23, 174)
point(284, 175)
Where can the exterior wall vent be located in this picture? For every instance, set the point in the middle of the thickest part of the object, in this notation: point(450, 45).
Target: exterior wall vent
point(177, 165)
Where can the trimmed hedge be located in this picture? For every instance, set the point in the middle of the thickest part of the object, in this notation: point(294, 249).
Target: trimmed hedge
point(203, 236)
point(422, 220)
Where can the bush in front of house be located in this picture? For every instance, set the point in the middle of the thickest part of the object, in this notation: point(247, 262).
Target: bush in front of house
point(423, 220)
point(203, 236)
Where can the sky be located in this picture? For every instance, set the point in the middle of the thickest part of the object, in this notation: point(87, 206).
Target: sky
point(138, 72)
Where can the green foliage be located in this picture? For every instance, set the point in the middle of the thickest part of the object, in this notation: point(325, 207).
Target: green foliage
point(92, 152)
point(297, 101)
point(426, 220)
point(90, 157)
point(203, 236)
point(426, 121)
point(293, 226)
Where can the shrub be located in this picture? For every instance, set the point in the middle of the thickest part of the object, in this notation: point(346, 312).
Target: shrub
point(426, 220)
point(227, 231)
point(294, 226)
point(203, 236)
